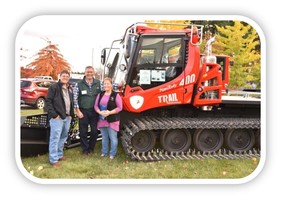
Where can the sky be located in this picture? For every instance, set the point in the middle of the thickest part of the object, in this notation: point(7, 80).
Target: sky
point(79, 38)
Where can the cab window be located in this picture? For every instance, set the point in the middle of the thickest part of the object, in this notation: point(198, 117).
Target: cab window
point(158, 61)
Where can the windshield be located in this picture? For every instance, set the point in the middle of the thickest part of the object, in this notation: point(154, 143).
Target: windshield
point(158, 60)
point(159, 50)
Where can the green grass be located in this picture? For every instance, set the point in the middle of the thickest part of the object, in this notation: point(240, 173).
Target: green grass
point(78, 166)
point(30, 111)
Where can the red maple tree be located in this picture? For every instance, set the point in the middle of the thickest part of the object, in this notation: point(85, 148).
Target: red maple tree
point(49, 62)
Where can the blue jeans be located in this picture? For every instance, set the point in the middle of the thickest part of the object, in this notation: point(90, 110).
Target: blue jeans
point(109, 134)
point(59, 129)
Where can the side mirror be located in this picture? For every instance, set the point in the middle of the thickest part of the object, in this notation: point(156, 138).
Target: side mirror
point(129, 40)
point(103, 56)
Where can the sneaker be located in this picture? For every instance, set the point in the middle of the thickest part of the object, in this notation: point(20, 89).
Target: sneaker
point(111, 157)
point(102, 155)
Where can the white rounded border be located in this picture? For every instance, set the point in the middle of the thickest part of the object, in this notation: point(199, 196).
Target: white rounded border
point(152, 181)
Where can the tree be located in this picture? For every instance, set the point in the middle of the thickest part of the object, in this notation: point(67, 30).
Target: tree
point(210, 27)
point(167, 24)
point(49, 62)
point(236, 39)
point(242, 43)
point(26, 72)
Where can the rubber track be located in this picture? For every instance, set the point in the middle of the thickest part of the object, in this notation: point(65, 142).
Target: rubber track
point(155, 123)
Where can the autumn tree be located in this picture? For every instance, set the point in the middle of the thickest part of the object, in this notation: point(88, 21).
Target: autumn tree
point(210, 26)
point(26, 72)
point(236, 39)
point(49, 62)
point(241, 42)
point(167, 24)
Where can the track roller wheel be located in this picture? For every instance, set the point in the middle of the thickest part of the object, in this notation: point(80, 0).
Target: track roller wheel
point(143, 141)
point(239, 139)
point(175, 140)
point(208, 140)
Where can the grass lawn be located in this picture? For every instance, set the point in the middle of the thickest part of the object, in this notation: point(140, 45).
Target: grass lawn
point(27, 110)
point(78, 166)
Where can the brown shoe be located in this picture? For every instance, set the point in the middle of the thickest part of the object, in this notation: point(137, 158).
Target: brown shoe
point(62, 159)
point(56, 164)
